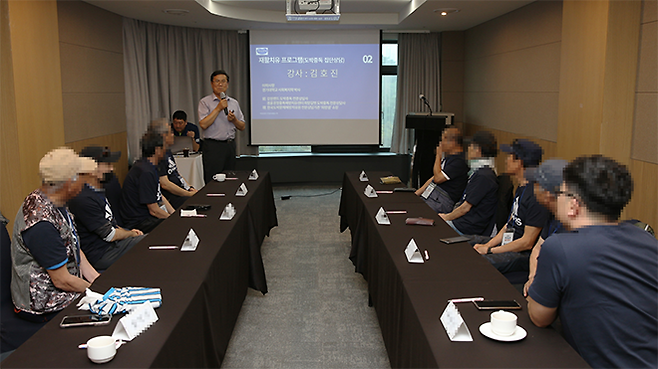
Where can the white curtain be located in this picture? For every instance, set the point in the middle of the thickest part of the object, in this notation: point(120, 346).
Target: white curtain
point(418, 72)
point(167, 68)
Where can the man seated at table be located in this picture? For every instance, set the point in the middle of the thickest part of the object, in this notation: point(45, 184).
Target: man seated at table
point(102, 240)
point(510, 249)
point(48, 268)
point(142, 204)
point(477, 209)
point(182, 128)
point(174, 187)
point(446, 186)
point(547, 179)
point(602, 276)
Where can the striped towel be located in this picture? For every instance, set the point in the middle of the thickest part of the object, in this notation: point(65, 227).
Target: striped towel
point(119, 300)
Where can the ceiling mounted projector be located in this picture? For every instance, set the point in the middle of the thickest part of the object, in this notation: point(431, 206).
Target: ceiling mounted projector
point(312, 10)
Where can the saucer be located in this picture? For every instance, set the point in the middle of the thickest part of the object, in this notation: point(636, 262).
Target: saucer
point(518, 334)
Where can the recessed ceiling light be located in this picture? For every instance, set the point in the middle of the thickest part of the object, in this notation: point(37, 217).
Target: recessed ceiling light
point(445, 11)
point(176, 11)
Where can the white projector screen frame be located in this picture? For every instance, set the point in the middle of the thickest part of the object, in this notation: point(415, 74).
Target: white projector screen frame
point(315, 87)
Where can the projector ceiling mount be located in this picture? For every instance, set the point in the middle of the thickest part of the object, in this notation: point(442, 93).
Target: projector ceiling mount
point(313, 10)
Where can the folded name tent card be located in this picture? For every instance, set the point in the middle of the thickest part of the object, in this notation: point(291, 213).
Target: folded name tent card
point(382, 217)
point(188, 213)
point(135, 322)
point(254, 175)
point(454, 324)
point(413, 254)
point(228, 213)
point(242, 190)
point(370, 192)
point(191, 241)
point(363, 177)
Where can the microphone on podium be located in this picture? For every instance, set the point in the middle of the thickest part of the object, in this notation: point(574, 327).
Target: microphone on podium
point(422, 97)
point(223, 96)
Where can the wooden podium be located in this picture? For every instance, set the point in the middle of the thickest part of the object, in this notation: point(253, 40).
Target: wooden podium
point(428, 129)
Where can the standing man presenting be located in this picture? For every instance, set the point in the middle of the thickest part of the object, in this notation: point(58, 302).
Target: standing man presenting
point(219, 117)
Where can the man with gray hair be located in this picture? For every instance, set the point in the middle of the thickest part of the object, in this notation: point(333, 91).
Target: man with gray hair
point(48, 268)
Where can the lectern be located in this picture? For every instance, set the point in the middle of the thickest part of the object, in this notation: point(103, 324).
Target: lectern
point(428, 128)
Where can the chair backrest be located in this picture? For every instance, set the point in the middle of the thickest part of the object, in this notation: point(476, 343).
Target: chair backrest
point(113, 194)
point(505, 199)
point(5, 263)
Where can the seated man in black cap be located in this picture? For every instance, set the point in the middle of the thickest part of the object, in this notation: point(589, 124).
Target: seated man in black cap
point(510, 249)
point(101, 238)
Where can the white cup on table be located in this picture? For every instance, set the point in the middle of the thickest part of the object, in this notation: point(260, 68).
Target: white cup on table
point(503, 323)
point(101, 349)
point(219, 177)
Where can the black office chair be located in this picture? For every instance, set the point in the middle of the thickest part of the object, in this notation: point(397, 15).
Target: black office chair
point(13, 330)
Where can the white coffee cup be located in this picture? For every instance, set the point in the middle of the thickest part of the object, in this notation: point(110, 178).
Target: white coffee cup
point(101, 349)
point(219, 177)
point(503, 323)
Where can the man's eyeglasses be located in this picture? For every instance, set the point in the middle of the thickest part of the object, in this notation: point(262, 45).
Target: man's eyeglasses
point(565, 193)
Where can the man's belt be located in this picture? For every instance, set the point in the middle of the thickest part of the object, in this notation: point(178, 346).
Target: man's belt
point(227, 140)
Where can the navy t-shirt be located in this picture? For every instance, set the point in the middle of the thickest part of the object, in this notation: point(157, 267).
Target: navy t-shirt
point(92, 214)
point(141, 187)
point(553, 226)
point(481, 192)
point(46, 244)
point(188, 127)
point(526, 211)
point(604, 280)
point(167, 167)
point(456, 168)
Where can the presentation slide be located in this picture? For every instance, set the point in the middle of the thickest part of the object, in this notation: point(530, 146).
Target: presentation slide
point(315, 87)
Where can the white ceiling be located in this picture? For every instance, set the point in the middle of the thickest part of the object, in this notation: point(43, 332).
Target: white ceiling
point(407, 15)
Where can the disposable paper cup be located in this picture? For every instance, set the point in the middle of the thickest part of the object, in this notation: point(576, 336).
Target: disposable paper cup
point(219, 177)
point(503, 323)
point(101, 349)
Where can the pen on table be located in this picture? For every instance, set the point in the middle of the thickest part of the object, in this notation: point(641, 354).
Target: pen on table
point(163, 247)
point(384, 191)
point(194, 216)
point(427, 255)
point(396, 212)
point(231, 179)
point(468, 299)
point(215, 194)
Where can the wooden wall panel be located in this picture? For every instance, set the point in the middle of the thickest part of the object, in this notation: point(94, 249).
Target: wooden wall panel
point(644, 203)
point(116, 142)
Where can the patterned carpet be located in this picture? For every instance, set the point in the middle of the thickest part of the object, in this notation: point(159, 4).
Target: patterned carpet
point(316, 312)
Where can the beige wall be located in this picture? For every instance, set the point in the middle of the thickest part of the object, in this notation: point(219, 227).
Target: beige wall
point(452, 73)
point(91, 53)
point(512, 69)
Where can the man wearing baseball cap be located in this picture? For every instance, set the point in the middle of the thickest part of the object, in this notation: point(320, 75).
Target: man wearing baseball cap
point(510, 249)
point(48, 268)
point(547, 179)
point(103, 241)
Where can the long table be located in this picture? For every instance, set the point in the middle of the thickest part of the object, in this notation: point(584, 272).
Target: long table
point(410, 298)
point(202, 291)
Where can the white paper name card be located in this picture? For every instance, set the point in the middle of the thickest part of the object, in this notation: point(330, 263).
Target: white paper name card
point(135, 322)
point(191, 241)
point(254, 175)
point(370, 192)
point(242, 190)
point(382, 217)
point(363, 177)
point(188, 213)
point(454, 324)
point(228, 213)
point(413, 254)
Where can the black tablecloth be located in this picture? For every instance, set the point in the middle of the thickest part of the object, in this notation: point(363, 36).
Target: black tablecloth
point(202, 291)
point(410, 298)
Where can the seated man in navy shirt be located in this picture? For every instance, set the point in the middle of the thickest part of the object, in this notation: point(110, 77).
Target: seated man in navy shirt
point(174, 187)
point(510, 249)
point(49, 270)
point(446, 186)
point(547, 179)
point(101, 238)
point(142, 204)
point(477, 208)
point(602, 277)
point(181, 127)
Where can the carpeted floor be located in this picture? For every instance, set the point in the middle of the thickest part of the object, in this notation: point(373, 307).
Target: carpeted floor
point(316, 312)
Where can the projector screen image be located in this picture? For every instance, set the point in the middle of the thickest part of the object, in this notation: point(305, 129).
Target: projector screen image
point(315, 87)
